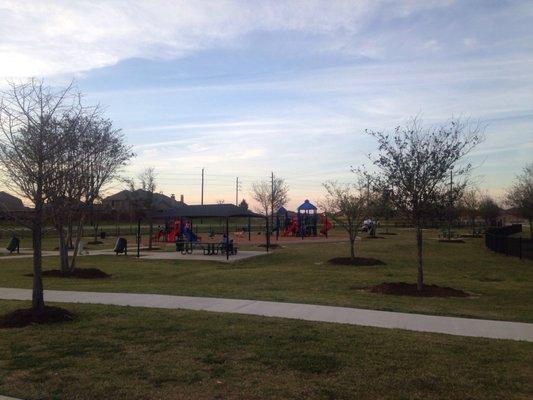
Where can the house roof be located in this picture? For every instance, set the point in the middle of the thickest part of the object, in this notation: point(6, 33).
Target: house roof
point(206, 211)
point(160, 200)
point(9, 202)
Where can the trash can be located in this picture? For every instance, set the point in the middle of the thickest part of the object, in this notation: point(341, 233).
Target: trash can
point(121, 246)
point(14, 244)
point(102, 235)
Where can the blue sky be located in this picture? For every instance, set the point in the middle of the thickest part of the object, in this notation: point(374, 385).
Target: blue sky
point(243, 88)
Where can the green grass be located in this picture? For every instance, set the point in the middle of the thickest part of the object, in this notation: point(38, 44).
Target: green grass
point(501, 286)
point(132, 353)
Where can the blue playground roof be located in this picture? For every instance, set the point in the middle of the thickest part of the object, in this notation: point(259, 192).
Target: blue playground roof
point(307, 206)
point(282, 210)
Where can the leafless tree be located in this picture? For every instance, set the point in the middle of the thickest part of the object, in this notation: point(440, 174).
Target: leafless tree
point(489, 210)
point(347, 206)
point(268, 193)
point(520, 195)
point(98, 153)
point(142, 198)
point(413, 164)
point(470, 203)
point(33, 151)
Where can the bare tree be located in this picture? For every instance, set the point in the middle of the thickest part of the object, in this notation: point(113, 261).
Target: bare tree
point(243, 204)
point(98, 154)
point(382, 207)
point(414, 163)
point(520, 195)
point(489, 210)
point(268, 193)
point(32, 152)
point(347, 206)
point(142, 198)
point(470, 204)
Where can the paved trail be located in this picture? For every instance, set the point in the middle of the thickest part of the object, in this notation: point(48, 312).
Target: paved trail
point(308, 312)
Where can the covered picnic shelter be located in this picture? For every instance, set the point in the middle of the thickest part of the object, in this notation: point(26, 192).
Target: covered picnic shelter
point(225, 211)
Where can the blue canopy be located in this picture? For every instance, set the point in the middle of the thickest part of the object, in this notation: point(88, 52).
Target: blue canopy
point(282, 210)
point(307, 206)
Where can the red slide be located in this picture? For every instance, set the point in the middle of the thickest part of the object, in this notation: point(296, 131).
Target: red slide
point(327, 226)
point(174, 232)
point(292, 229)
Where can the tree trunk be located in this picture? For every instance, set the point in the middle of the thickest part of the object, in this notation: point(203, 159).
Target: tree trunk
point(69, 234)
point(531, 228)
point(473, 227)
point(420, 279)
point(37, 295)
point(150, 233)
point(352, 247)
point(63, 250)
point(77, 245)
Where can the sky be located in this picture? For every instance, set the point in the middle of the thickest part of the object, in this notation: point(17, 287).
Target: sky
point(246, 88)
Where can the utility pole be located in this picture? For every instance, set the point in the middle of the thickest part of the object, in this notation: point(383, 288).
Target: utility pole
point(272, 199)
point(202, 200)
point(451, 206)
point(237, 191)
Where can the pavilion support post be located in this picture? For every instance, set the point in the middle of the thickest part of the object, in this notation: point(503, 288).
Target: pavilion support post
point(227, 238)
point(267, 234)
point(249, 229)
point(138, 238)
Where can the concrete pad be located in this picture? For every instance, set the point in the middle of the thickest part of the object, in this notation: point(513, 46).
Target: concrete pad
point(308, 312)
point(156, 255)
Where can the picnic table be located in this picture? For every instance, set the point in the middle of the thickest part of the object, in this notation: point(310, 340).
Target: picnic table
point(208, 248)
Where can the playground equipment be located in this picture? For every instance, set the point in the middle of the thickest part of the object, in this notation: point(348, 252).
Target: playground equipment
point(304, 222)
point(292, 228)
point(181, 229)
point(307, 219)
point(327, 225)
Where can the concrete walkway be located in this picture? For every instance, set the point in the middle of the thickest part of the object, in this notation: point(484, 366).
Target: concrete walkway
point(308, 312)
point(153, 255)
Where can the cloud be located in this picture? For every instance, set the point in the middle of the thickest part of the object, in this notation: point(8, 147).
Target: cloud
point(48, 37)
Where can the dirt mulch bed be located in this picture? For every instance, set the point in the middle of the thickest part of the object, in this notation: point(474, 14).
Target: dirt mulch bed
point(387, 233)
point(410, 289)
point(272, 246)
point(24, 317)
point(374, 237)
point(451, 241)
point(82, 273)
point(358, 261)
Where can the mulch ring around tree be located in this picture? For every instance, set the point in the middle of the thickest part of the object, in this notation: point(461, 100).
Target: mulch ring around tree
point(410, 289)
point(357, 261)
point(24, 317)
point(81, 273)
point(272, 246)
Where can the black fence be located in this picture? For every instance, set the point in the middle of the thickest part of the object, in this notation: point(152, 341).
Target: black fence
point(501, 241)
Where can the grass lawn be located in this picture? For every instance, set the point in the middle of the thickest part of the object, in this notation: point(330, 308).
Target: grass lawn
point(133, 353)
point(501, 286)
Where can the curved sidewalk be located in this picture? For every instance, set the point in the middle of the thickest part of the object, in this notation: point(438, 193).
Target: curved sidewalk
point(308, 312)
